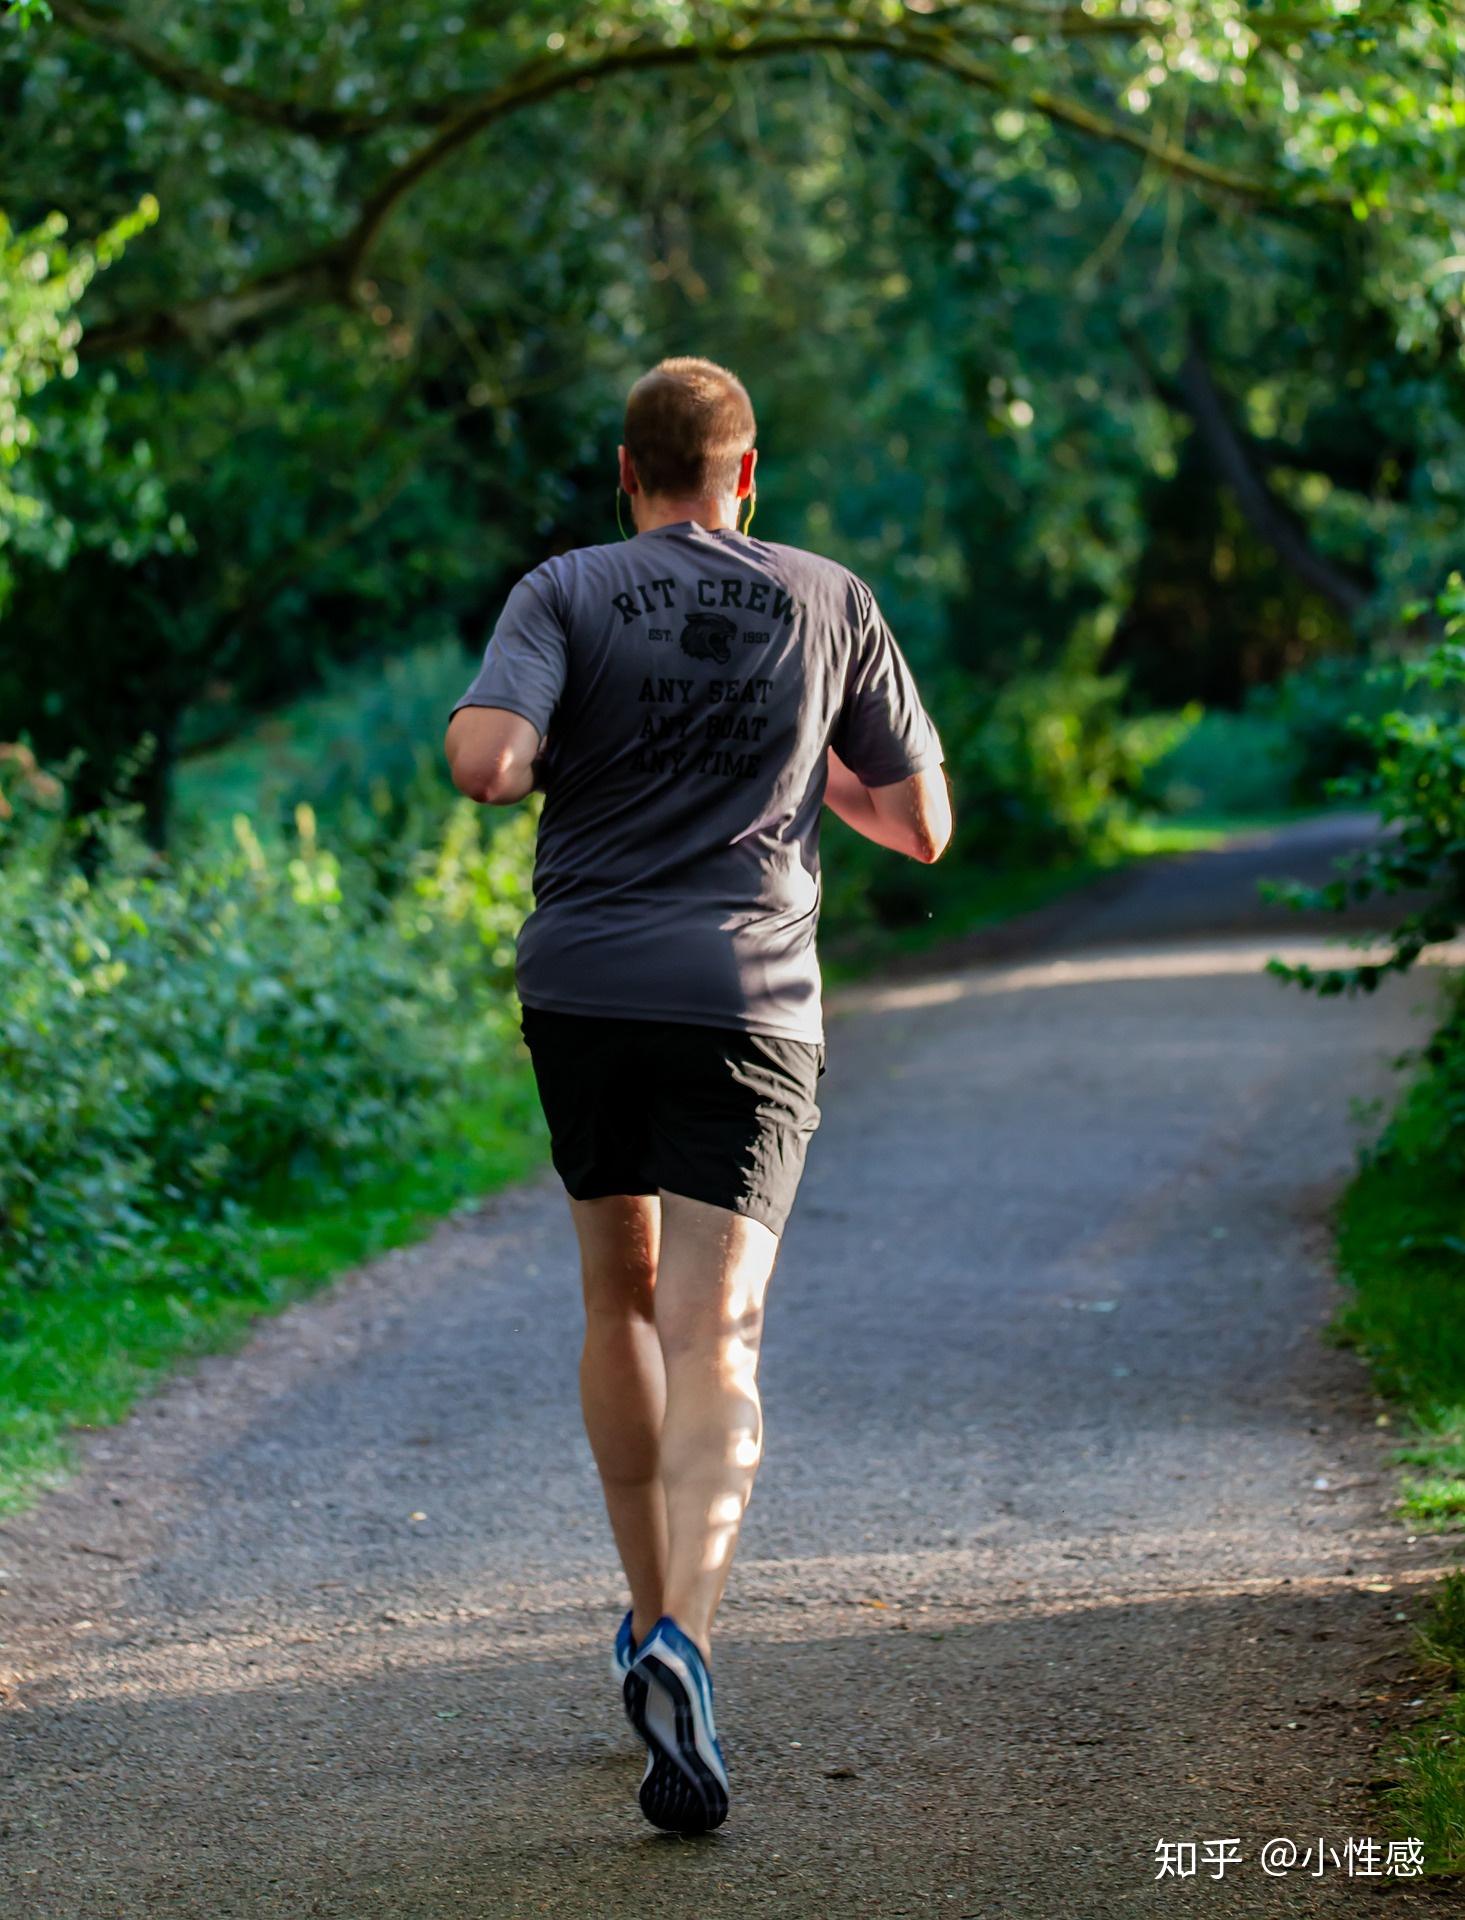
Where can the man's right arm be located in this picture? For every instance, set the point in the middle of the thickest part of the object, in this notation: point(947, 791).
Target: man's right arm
point(496, 732)
point(910, 816)
point(492, 754)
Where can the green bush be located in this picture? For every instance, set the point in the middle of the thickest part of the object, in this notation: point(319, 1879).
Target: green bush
point(175, 1034)
point(1052, 765)
point(1229, 763)
point(364, 753)
point(1286, 746)
point(1415, 780)
point(1325, 714)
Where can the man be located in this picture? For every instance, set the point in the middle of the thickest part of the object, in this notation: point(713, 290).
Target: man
point(688, 700)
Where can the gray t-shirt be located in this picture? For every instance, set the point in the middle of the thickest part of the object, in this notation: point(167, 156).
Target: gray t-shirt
point(687, 684)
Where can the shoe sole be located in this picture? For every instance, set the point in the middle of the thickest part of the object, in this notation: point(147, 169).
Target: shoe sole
point(680, 1790)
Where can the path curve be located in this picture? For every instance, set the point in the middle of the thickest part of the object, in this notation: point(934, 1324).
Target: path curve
point(1072, 1535)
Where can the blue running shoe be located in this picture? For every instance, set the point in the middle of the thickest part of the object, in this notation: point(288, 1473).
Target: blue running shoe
point(623, 1652)
point(668, 1696)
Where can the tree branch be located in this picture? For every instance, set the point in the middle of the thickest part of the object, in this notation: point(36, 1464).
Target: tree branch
point(292, 116)
point(1348, 458)
point(332, 272)
point(215, 318)
point(1269, 518)
point(322, 121)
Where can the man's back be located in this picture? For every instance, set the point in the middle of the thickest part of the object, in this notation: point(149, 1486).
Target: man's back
point(689, 684)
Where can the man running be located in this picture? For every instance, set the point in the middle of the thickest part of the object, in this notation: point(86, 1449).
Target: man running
point(688, 700)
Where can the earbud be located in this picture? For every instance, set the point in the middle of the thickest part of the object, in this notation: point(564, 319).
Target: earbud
point(620, 522)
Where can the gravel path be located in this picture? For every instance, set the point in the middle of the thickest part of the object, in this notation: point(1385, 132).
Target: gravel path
point(1072, 1534)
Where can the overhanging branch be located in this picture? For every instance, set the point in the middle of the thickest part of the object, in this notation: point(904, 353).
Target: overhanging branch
point(331, 273)
point(182, 76)
point(1269, 517)
point(322, 121)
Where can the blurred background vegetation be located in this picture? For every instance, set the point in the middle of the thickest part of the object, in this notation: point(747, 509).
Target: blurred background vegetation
point(1119, 346)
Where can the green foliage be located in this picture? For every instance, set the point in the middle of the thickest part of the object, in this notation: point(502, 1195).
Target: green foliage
point(1286, 746)
point(228, 1074)
point(1431, 1805)
point(1054, 766)
point(80, 1355)
point(1402, 1231)
point(174, 1036)
point(1402, 1245)
point(361, 374)
point(364, 754)
point(1442, 1639)
point(42, 281)
point(1240, 763)
point(1324, 713)
point(1402, 1251)
point(1051, 764)
point(26, 13)
point(1415, 779)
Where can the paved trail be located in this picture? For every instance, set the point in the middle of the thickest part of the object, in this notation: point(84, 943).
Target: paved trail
point(1071, 1533)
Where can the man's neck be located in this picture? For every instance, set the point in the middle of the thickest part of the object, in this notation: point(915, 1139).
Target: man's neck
point(714, 515)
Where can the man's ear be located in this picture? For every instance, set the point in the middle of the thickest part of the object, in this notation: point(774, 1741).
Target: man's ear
point(745, 473)
point(629, 482)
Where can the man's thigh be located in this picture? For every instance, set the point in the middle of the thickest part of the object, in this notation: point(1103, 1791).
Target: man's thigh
point(712, 1276)
point(620, 1246)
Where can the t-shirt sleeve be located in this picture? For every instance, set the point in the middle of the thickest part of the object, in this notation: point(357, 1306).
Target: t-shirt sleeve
point(883, 733)
point(525, 660)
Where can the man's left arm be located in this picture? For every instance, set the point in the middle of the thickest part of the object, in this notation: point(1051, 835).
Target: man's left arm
point(910, 816)
point(884, 775)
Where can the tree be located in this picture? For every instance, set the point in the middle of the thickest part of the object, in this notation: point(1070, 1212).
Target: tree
point(369, 357)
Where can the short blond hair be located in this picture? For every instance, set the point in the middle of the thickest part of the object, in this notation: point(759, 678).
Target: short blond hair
point(688, 424)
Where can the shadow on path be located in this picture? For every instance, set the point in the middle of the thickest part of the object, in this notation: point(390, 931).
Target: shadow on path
point(1071, 1535)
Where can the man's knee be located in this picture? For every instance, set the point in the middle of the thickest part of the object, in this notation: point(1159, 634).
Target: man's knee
point(724, 1342)
point(619, 1283)
point(614, 1300)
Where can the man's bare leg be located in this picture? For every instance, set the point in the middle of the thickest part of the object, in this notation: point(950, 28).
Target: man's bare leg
point(623, 1385)
point(711, 1279)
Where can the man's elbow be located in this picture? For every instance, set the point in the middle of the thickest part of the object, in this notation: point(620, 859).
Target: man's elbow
point(933, 830)
point(930, 844)
point(493, 793)
point(495, 784)
point(929, 816)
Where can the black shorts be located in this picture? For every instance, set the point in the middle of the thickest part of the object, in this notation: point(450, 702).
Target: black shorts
point(715, 1114)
